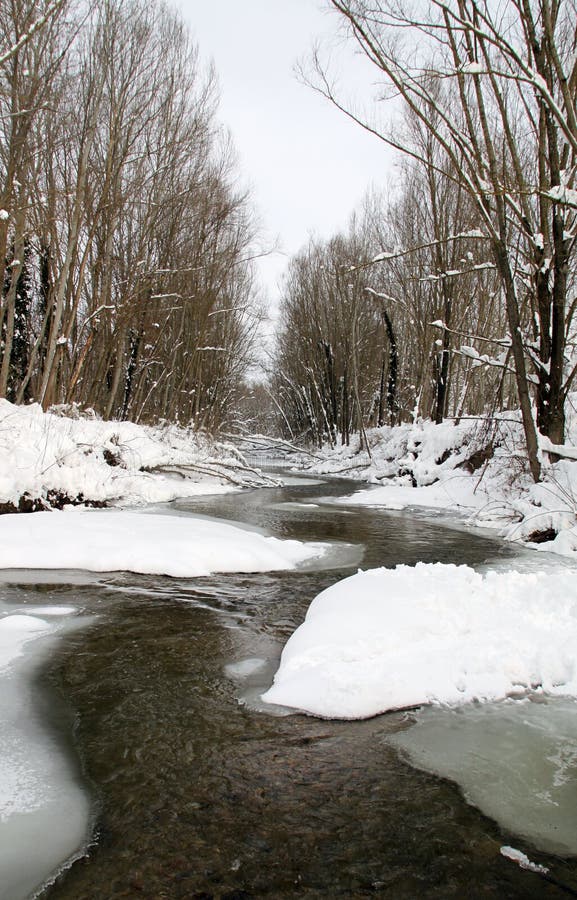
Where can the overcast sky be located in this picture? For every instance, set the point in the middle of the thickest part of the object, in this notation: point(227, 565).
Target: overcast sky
point(309, 166)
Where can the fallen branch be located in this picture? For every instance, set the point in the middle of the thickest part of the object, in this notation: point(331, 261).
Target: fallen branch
point(263, 441)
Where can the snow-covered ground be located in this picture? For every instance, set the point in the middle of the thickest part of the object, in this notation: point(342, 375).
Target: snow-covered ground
point(151, 543)
point(395, 638)
point(51, 458)
point(473, 468)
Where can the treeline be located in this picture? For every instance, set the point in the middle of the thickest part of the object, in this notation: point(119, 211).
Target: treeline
point(364, 343)
point(124, 243)
point(457, 295)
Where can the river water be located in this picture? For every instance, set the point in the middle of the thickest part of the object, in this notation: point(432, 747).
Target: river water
point(198, 790)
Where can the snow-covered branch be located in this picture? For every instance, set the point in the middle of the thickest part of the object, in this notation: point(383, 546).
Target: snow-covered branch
point(503, 342)
point(389, 255)
point(36, 26)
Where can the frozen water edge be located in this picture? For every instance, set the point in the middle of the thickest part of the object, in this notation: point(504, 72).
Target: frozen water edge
point(516, 761)
point(42, 802)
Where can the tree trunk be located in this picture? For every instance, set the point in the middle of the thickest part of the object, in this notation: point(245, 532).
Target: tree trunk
point(502, 260)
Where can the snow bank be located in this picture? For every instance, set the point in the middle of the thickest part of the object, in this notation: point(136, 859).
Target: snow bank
point(452, 491)
point(48, 454)
point(458, 468)
point(414, 454)
point(388, 639)
point(476, 468)
point(153, 544)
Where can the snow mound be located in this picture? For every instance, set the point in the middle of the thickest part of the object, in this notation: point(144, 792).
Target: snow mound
point(151, 544)
point(394, 638)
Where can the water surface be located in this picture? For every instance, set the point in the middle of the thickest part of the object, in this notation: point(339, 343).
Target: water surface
point(198, 790)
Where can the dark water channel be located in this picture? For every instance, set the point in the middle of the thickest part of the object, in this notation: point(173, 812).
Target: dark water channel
point(198, 793)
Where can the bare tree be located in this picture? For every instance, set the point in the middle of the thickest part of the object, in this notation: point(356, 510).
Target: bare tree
point(495, 91)
point(28, 66)
point(130, 264)
point(329, 360)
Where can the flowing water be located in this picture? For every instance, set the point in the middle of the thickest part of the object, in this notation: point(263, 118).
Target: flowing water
point(198, 790)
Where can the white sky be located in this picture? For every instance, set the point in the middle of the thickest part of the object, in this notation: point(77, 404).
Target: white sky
point(308, 165)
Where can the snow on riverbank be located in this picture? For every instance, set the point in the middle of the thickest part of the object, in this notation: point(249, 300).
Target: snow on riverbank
point(390, 639)
point(48, 458)
point(153, 544)
point(475, 468)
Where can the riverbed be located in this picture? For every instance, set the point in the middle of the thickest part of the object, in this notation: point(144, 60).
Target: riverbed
point(195, 788)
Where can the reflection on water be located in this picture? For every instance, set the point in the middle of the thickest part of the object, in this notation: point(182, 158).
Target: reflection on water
point(199, 793)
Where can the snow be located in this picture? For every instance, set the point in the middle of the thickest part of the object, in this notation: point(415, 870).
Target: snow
point(471, 468)
point(83, 456)
point(562, 194)
point(523, 860)
point(421, 463)
point(455, 491)
point(380, 257)
point(389, 639)
point(151, 543)
point(472, 68)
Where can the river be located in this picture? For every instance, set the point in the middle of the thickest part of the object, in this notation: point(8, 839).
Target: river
point(198, 790)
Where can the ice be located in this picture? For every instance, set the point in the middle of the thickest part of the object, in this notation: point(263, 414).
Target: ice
point(15, 632)
point(117, 540)
point(522, 860)
point(42, 804)
point(244, 668)
point(292, 480)
point(55, 610)
point(516, 761)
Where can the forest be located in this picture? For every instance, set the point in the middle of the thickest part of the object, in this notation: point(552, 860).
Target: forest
point(455, 294)
point(128, 248)
point(288, 603)
point(124, 241)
